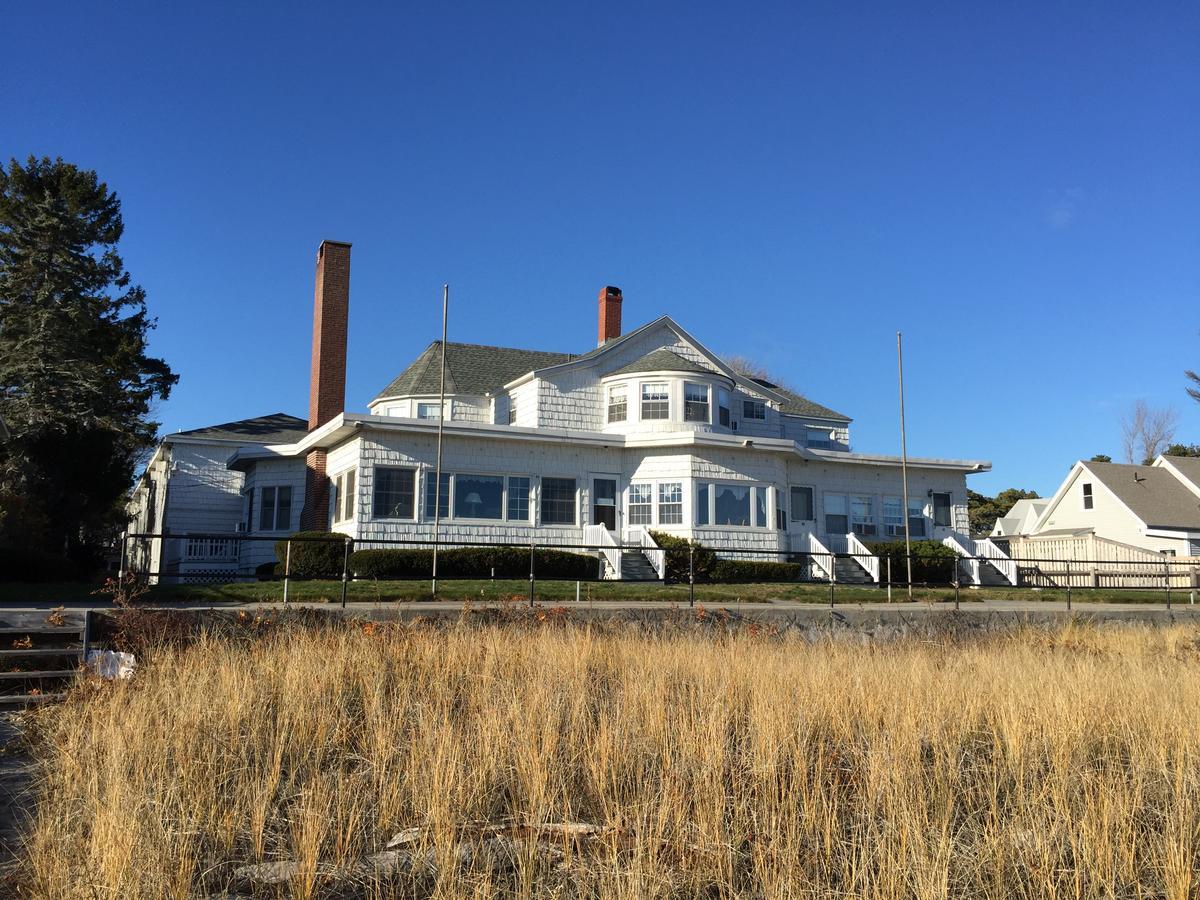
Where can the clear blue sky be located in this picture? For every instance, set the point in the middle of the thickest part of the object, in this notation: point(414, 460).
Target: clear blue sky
point(1016, 186)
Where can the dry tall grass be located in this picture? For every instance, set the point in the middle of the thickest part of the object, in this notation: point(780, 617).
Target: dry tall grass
point(1032, 764)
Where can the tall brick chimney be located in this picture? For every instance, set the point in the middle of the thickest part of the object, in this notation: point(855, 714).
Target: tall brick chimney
point(327, 384)
point(610, 314)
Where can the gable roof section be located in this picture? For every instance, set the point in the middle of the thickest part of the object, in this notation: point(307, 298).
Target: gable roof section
point(1152, 493)
point(1186, 468)
point(662, 360)
point(277, 428)
point(470, 369)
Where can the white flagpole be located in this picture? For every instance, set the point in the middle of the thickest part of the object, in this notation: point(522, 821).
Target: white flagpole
point(904, 466)
point(437, 490)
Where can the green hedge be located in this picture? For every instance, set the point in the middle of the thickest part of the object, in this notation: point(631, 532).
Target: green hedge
point(933, 561)
point(676, 556)
point(734, 571)
point(313, 559)
point(474, 562)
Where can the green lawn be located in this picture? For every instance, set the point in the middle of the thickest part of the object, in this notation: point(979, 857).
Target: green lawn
point(556, 592)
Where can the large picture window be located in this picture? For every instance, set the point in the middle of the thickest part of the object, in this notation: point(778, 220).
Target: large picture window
point(670, 503)
point(731, 505)
point(275, 509)
point(655, 401)
point(558, 501)
point(695, 402)
point(395, 493)
point(478, 497)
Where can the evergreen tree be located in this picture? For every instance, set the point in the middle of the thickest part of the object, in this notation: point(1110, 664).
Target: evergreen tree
point(984, 511)
point(76, 383)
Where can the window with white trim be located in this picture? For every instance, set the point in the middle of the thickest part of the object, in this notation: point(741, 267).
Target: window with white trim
point(818, 438)
point(760, 507)
point(618, 403)
point(518, 498)
point(837, 514)
point(656, 403)
point(702, 504)
point(432, 497)
point(916, 517)
point(275, 508)
point(802, 504)
point(479, 496)
point(862, 515)
point(1087, 495)
point(731, 505)
point(395, 492)
point(558, 501)
point(670, 503)
point(754, 409)
point(342, 497)
point(723, 407)
point(427, 411)
point(512, 410)
point(641, 504)
point(695, 402)
point(893, 516)
point(941, 509)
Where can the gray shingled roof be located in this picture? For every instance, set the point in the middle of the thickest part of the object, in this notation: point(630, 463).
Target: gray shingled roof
point(661, 360)
point(470, 369)
point(278, 428)
point(1154, 494)
point(1188, 466)
point(796, 405)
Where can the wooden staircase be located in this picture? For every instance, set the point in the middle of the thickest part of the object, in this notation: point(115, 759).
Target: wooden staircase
point(39, 656)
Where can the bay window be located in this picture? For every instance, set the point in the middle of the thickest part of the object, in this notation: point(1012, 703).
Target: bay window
point(695, 402)
point(618, 403)
point(656, 402)
point(641, 511)
point(670, 503)
point(731, 505)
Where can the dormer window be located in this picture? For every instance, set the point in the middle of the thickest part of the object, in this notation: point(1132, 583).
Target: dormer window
point(754, 409)
point(655, 401)
point(618, 403)
point(695, 402)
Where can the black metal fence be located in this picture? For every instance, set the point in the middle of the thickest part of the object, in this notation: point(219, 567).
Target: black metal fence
point(217, 557)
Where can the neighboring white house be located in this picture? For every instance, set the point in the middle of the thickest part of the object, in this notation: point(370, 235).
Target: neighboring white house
point(648, 430)
point(1130, 516)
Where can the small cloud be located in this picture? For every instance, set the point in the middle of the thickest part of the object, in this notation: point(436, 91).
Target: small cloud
point(1062, 207)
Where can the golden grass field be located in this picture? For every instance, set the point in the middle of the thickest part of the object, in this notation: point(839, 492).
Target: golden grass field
point(719, 763)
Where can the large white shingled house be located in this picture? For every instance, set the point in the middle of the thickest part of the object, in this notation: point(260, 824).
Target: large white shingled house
point(648, 430)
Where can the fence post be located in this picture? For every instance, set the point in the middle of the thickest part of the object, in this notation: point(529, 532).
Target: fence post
point(287, 569)
point(1167, 575)
point(345, 569)
point(1068, 585)
point(691, 573)
point(832, 577)
point(889, 577)
point(121, 565)
point(531, 576)
point(957, 574)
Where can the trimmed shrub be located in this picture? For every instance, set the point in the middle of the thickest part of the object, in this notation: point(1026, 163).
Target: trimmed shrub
point(933, 562)
point(268, 571)
point(473, 562)
point(677, 557)
point(313, 559)
point(26, 565)
point(731, 571)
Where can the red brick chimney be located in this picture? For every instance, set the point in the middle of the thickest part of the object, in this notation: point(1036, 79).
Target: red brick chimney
point(327, 384)
point(610, 314)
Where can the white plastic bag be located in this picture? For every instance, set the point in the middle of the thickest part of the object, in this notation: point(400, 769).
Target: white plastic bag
point(111, 664)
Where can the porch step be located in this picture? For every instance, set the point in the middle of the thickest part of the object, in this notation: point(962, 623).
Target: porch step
point(635, 567)
point(850, 572)
point(990, 576)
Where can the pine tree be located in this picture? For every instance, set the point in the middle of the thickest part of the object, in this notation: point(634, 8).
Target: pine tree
point(76, 382)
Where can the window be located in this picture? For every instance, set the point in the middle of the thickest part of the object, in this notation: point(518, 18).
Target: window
point(695, 402)
point(754, 409)
point(335, 498)
point(655, 404)
point(819, 438)
point(431, 495)
point(862, 514)
point(641, 512)
point(802, 504)
point(732, 505)
point(723, 407)
point(518, 498)
point(916, 518)
point(702, 505)
point(558, 501)
point(780, 512)
point(478, 497)
point(427, 411)
point(836, 519)
point(512, 410)
point(941, 510)
point(342, 497)
point(275, 512)
point(1087, 496)
point(670, 503)
point(618, 403)
point(395, 493)
point(760, 507)
point(893, 516)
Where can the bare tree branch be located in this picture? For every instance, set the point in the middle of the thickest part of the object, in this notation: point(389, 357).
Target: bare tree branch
point(1146, 431)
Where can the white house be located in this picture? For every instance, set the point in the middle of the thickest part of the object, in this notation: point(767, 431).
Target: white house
point(649, 430)
point(1128, 516)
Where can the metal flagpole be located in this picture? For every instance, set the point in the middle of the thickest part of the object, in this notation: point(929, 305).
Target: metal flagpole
point(904, 466)
point(437, 491)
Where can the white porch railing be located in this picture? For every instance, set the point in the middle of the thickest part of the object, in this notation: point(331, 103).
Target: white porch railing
point(211, 549)
point(599, 536)
point(654, 553)
point(982, 549)
point(863, 556)
point(819, 555)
